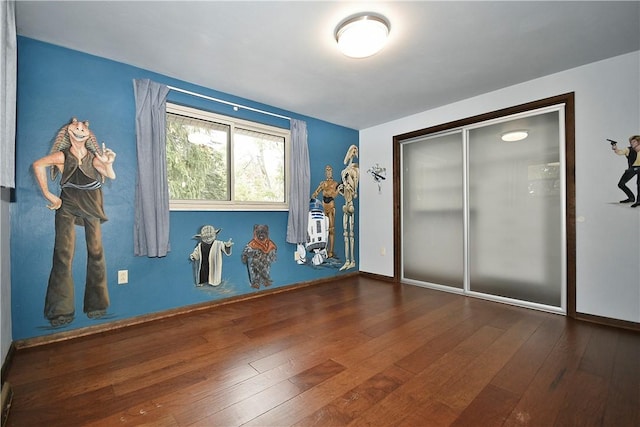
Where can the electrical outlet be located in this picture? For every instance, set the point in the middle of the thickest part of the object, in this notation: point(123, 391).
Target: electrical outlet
point(123, 277)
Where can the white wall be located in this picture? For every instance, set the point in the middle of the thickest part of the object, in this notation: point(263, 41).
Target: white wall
point(5, 276)
point(607, 104)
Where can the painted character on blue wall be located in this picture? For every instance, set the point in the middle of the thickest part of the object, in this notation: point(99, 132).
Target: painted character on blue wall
point(329, 189)
point(349, 189)
point(258, 254)
point(83, 167)
point(207, 256)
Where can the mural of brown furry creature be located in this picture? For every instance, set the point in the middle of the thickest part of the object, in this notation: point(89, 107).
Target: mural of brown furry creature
point(258, 254)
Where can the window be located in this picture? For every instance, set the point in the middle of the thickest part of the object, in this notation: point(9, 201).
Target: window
point(216, 162)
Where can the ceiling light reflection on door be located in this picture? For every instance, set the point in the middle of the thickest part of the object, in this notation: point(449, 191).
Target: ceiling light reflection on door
point(362, 35)
point(513, 136)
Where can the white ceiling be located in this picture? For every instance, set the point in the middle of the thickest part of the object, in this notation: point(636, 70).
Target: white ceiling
point(284, 54)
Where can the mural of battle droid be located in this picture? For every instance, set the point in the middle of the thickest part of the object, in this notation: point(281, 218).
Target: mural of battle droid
point(349, 190)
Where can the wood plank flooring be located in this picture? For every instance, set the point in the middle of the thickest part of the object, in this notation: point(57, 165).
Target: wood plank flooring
point(354, 352)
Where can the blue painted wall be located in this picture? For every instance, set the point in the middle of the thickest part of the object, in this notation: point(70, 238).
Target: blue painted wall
point(55, 84)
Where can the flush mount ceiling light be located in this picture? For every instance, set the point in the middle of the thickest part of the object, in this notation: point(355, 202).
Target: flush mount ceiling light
point(362, 35)
point(513, 136)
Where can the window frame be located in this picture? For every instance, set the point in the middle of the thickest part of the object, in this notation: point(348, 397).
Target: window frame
point(233, 123)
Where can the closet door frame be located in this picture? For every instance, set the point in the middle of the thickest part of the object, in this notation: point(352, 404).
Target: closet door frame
point(569, 155)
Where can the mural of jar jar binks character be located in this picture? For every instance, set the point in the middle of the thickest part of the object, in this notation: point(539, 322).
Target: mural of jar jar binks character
point(258, 254)
point(83, 167)
point(207, 256)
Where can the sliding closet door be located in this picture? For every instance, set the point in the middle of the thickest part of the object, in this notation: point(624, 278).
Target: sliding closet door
point(516, 210)
point(486, 217)
point(432, 210)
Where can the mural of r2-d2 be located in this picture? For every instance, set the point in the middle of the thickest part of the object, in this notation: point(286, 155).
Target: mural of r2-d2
point(317, 232)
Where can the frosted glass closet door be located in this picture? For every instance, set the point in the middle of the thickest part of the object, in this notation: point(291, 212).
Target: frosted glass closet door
point(432, 210)
point(516, 230)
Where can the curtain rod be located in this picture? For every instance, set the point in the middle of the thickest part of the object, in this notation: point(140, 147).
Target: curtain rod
point(227, 102)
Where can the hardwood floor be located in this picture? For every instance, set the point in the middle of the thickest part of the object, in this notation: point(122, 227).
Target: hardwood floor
point(355, 352)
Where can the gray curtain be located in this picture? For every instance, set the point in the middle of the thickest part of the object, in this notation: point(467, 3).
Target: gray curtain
point(300, 182)
point(8, 78)
point(151, 224)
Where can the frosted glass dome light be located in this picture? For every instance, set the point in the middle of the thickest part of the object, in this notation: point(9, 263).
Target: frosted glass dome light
point(362, 35)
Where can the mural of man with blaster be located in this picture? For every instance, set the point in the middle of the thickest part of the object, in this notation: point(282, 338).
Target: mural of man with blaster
point(633, 161)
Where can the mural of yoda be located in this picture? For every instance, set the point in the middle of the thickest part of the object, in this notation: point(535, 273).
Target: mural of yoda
point(207, 256)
